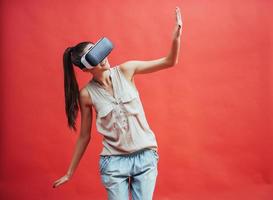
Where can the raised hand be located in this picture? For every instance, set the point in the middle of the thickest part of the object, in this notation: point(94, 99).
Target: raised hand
point(178, 17)
point(179, 23)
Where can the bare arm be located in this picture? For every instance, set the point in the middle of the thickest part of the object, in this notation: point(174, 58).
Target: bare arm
point(130, 68)
point(85, 132)
point(83, 139)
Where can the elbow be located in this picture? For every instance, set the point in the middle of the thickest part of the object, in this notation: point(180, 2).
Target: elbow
point(175, 62)
point(171, 62)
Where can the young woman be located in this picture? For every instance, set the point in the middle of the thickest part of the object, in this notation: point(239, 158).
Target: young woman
point(128, 161)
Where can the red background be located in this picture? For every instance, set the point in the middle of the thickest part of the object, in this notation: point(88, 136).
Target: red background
point(212, 113)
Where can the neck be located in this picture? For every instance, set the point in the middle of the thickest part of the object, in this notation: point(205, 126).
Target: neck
point(103, 78)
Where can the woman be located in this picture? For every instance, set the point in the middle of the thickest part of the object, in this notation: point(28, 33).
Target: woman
point(129, 157)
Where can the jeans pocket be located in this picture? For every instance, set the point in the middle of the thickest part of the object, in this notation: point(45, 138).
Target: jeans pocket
point(103, 163)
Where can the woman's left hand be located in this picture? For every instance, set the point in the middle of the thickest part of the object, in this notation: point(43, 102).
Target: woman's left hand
point(179, 23)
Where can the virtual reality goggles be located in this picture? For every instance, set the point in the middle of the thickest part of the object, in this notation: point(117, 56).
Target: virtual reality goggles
point(97, 53)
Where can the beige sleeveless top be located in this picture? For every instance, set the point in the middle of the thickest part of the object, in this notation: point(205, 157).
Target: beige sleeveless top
point(120, 119)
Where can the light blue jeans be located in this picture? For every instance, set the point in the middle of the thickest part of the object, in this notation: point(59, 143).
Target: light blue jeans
point(135, 172)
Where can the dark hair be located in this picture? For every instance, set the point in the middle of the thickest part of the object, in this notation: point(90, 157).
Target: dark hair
point(72, 55)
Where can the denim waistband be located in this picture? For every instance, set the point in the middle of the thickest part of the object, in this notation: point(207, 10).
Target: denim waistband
point(129, 154)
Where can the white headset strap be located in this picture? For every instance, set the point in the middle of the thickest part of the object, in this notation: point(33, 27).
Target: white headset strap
point(85, 63)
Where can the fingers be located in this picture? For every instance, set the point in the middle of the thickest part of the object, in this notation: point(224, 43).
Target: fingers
point(60, 181)
point(177, 12)
point(178, 17)
point(57, 183)
point(177, 9)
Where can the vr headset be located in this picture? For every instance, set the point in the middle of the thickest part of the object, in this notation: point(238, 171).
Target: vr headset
point(97, 53)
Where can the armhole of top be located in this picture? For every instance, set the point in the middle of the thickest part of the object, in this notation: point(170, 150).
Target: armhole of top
point(129, 82)
point(88, 88)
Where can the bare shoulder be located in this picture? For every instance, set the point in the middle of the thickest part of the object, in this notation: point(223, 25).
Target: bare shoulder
point(85, 99)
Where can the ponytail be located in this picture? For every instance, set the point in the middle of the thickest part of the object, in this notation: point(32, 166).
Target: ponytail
point(71, 90)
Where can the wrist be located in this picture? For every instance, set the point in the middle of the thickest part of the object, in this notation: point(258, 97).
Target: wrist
point(176, 38)
point(69, 174)
point(177, 35)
